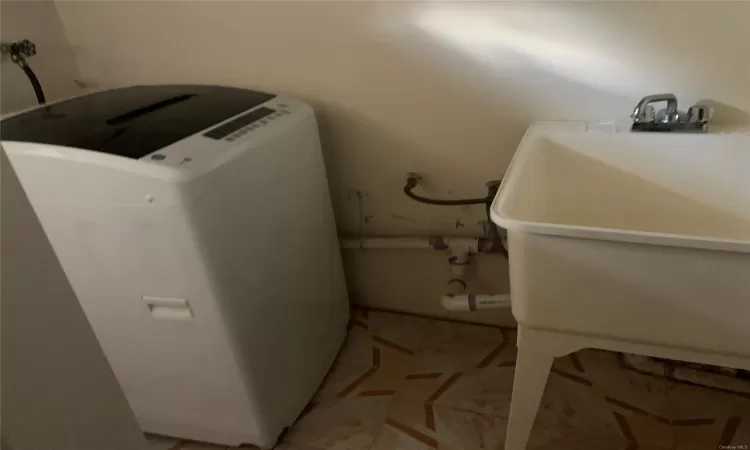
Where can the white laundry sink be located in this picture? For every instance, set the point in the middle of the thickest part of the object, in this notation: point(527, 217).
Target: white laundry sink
point(643, 237)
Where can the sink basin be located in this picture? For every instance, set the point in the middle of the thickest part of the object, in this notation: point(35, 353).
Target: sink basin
point(631, 236)
point(631, 242)
point(683, 190)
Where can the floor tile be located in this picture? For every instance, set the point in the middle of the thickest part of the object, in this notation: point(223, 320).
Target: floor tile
point(389, 374)
point(622, 386)
point(645, 430)
point(507, 356)
point(356, 347)
point(406, 427)
point(201, 446)
point(399, 331)
point(571, 364)
point(486, 391)
point(723, 381)
point(698, 435)
point(355, 361)
point(708, 417)
point(290, 446)
point(379, 370)
point(376, 356)
point(359, 315)
point(736, 431)
point(343, 424)
point(469, 430)
point(454, 347)
point(695, 402)
point(417, 426)
point(425, 386)
point(573, 415)
point(156, 442)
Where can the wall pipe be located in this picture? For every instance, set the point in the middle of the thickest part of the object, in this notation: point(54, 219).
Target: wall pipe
point(460, 251)
point(19, 51)
point(474, 245)
point(474, 302)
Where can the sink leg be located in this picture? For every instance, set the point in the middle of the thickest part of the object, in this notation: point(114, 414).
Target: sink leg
point(532, 369)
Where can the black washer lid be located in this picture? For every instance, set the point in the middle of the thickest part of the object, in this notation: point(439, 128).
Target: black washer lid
point(132, 121)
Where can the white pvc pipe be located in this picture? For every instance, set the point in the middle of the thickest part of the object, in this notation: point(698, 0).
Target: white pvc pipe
point(402, 243)
point(386, 243)
point(460, 257)
point(461, 248)
point(475, 302)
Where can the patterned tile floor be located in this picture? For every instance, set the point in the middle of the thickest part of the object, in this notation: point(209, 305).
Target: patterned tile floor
point(409, 383)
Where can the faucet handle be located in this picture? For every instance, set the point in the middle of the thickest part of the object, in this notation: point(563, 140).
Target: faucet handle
point(667, 116)
point(699, 113)
point(644, 113)
point(647, 114)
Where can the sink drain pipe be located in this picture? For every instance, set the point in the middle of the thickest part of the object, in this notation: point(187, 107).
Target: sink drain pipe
point(459, 249)
point(474, 302)
point(459, 257)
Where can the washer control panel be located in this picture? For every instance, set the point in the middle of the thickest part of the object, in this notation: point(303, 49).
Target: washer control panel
point(236, 134)
point(246, 123)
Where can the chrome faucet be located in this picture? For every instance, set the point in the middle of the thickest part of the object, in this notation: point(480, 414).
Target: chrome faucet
point(670, 118)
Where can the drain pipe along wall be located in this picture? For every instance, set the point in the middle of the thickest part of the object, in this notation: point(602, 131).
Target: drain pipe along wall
point(459, 252)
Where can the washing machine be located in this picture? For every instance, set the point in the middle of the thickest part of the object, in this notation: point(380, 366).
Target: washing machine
point(195, 226)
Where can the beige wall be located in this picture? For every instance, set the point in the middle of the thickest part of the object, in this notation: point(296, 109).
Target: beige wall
point(445, 89)
point(53, 64)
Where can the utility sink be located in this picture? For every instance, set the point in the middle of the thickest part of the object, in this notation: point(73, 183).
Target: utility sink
point(630, 242)
point(633, 236)
point(686, 190)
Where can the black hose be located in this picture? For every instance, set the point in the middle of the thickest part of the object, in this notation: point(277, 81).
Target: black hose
point(494, 233)
point(34, 82)
point(412, 182)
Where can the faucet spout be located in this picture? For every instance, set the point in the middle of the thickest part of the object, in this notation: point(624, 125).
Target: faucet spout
point(641, 112)
point(669, 118)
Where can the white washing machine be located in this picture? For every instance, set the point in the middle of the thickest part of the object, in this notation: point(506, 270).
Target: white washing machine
point(196, 228)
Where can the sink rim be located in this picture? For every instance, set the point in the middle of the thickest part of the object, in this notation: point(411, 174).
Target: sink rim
point(541, 130)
